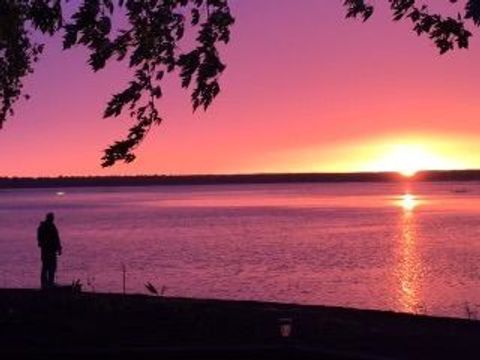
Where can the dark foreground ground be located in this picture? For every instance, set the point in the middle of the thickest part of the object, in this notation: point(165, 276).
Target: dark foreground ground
point(62, 325)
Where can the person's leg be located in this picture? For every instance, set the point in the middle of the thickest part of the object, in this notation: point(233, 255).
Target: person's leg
point(44, 275)
point(49, 264)
point(53, 269)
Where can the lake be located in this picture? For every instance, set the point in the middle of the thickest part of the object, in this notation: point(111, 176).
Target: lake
point(394, 246)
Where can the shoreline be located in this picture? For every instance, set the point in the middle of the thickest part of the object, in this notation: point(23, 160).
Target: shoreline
point(234, 179)
point(100, 325)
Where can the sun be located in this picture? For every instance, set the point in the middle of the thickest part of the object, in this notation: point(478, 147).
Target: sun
point(408, 172)
point(408, 159)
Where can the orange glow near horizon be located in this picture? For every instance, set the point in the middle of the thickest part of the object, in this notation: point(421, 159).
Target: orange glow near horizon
point(408, 159)
point(403, 153)
point(411, 154)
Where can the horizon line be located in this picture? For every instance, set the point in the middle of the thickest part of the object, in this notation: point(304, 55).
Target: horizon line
point(392, 172)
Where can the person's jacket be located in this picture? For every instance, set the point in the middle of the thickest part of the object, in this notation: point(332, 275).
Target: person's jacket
point(48, 238)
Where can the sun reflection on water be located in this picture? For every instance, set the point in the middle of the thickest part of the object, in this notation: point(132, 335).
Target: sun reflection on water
point(408, 202)
point(409, 267)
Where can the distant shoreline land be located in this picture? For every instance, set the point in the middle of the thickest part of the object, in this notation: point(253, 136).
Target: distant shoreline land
point(151, 180)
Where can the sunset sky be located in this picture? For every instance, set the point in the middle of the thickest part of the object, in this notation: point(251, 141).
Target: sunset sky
point(305, 90)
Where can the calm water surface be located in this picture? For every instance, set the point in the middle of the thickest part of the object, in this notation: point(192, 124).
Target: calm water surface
point(403, 247)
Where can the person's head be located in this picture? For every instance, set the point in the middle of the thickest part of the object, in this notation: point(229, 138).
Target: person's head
point(50, 217)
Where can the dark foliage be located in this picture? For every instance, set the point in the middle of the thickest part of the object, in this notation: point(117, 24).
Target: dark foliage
point(152, 289)
point(149, 43)
point(446, 32)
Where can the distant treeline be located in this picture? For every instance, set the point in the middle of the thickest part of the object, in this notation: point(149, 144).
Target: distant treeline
point(145, 180)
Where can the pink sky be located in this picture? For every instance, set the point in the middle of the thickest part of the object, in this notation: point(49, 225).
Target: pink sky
point(305, 90)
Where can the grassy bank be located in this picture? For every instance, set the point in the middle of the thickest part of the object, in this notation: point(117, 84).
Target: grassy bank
point(85, 325)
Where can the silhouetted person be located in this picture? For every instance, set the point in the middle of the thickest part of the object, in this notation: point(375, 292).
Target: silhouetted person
point(49, 243)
